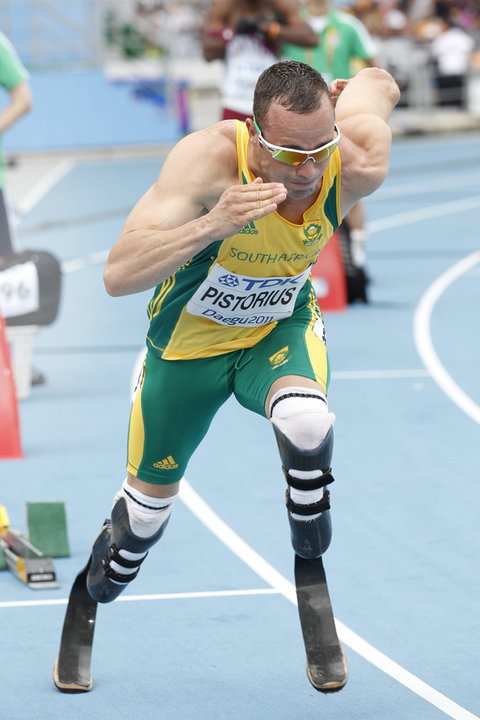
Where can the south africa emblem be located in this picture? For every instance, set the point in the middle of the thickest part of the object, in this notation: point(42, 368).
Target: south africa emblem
point(313, 233)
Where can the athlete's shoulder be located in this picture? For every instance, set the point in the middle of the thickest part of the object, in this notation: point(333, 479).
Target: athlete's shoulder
point(203, 163)
point(211, 144)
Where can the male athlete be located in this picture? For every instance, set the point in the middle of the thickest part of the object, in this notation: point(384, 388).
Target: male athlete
point(227, 236)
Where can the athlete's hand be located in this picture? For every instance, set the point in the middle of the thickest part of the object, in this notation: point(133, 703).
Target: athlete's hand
point(241, 204)
point(336, 87)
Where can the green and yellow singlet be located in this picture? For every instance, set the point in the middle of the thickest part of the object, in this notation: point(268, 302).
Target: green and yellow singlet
point(232, 294)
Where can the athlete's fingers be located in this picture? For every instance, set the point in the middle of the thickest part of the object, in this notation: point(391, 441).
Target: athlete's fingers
point(263, 191)
point(240, 204)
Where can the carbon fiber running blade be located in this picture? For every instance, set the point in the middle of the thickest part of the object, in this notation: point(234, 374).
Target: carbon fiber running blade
point(71, 673)
point(326, 663)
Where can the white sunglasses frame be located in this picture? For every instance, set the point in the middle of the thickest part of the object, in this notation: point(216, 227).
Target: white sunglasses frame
point(308, 153)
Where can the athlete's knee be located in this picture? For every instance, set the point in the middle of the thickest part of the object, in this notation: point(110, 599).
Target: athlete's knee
point(304, 432)
point(150, 489)
point(137, 523)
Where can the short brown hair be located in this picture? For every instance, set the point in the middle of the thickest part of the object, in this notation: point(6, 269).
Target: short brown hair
point(294, 85)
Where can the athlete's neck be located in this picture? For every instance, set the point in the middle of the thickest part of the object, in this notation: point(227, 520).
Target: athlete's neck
point(294, 210)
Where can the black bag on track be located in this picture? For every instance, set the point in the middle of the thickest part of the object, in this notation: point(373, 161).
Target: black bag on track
point(356, 277)
point(30, 285)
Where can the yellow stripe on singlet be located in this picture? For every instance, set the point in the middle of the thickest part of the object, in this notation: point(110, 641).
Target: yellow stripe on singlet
point(156, 303)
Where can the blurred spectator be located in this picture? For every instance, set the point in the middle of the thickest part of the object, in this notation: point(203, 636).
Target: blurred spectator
point(395, 45)
point(248, 35)
point(344, 44)
point(451, 50)
point(168, 28)
point(13, 79)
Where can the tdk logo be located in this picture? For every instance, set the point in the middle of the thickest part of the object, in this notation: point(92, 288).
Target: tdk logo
point(228, 280)
point(263, 283)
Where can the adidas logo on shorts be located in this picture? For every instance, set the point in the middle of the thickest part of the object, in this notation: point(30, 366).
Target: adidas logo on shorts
point(167, 463)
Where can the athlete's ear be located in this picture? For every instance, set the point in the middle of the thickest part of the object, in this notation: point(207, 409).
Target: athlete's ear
point(250, 127)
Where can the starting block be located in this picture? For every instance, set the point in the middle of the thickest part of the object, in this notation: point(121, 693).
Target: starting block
point(30, 558)
point(328, 277)
point(26, 562)
point(47, 528)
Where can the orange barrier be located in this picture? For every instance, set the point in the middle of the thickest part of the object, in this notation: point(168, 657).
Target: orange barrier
point(10, 445)
point(328, 277)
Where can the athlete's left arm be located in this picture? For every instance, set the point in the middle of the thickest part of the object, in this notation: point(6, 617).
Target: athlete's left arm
point(20, 102)
point(362, 111)
point(291, 29)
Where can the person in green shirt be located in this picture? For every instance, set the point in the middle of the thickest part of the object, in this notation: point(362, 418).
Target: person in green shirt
point(14, 80)
point(344, 47)
point(344, 44)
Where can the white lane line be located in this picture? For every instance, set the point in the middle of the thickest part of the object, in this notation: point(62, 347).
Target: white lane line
point(155, 596)
point(378, 374)
point(98, 257)
point(38, 191)
point(205, 594)
point(423, 338)
point(261, 567)
point(414, 188)
point(426, 213)
point(81, 263)
point(73, 265)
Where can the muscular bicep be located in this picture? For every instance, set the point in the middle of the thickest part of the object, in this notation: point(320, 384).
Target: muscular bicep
point(163, 207)
point(181, 192)
point(362, 111)
point(364, 150)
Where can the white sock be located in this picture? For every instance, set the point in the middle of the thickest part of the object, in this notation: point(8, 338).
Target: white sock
point(146, 513)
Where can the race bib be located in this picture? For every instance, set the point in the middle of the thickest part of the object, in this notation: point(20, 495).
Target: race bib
point(231, 299)
point(19, 290)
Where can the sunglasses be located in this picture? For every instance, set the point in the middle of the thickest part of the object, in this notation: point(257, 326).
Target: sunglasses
point(290, 156)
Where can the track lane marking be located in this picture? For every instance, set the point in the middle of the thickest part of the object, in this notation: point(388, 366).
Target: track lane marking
point(151, 596)
point(195, 503)
point(426, 213)
point(405, 189)
point(43, 186)
point(423, 338)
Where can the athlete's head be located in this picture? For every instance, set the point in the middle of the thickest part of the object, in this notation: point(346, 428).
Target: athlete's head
point(293, 132)
point(293, 85)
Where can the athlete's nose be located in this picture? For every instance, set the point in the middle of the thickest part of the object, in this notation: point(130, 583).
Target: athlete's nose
point(307, 169)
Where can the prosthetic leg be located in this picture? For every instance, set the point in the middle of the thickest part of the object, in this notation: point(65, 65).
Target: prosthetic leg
point(111, 571)
point(115, 561)
point(71, 673)
point(308, 474)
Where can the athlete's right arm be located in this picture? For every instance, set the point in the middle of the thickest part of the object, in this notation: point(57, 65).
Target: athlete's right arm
point(194, 203)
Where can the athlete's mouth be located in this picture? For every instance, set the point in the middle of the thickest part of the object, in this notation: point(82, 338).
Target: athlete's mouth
point(303, 184)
